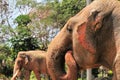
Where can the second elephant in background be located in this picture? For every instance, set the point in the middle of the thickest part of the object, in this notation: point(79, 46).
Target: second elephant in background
point(31, 61)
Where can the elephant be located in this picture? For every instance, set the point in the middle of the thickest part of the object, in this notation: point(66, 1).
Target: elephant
point(71, 67)
point(31, 61)
point(93, 35)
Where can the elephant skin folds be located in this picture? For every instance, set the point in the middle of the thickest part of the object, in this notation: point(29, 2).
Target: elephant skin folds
point(94, 37)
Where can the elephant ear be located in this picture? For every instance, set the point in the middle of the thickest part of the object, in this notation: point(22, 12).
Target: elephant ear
point(26, 58)
point(96, 18)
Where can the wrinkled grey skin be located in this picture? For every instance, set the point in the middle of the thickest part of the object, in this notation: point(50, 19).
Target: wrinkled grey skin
point(93, 35)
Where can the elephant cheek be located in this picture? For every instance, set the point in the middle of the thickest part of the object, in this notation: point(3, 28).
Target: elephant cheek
point(83, 41)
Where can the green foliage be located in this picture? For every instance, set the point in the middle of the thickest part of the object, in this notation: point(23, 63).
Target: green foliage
point(6, 63)
point(67, 9)
point(23, 40)
point(23, 20)
point(30, 3)
point(5, 33)
point(24, 43)
point(32, 77)
point(62, 11)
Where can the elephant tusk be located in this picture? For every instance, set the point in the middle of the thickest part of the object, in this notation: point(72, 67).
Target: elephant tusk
point(14, 76)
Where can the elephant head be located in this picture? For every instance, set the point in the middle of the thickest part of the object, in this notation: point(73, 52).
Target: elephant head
point(94, 37)
point(21, 60)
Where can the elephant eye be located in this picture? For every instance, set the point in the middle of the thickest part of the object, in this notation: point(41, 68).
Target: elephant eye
point(19, 62)
point(69, 29)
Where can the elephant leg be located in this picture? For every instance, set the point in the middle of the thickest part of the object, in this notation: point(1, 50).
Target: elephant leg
point(72, 67)
point(37, 74)
point(27, 74)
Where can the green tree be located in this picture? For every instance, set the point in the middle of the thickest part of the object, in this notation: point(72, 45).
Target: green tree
point(62, 11)
point(23, 20)
point(50, 17)
point(23, 40)
point(6, 63)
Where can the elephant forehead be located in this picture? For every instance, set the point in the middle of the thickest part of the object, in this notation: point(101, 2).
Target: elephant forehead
point(75, 21)
point(19, 59)
point(71, 22)
point(80, 18)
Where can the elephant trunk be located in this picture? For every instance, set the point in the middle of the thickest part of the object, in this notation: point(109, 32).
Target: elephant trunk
point(71, 67)
point(56, 52)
